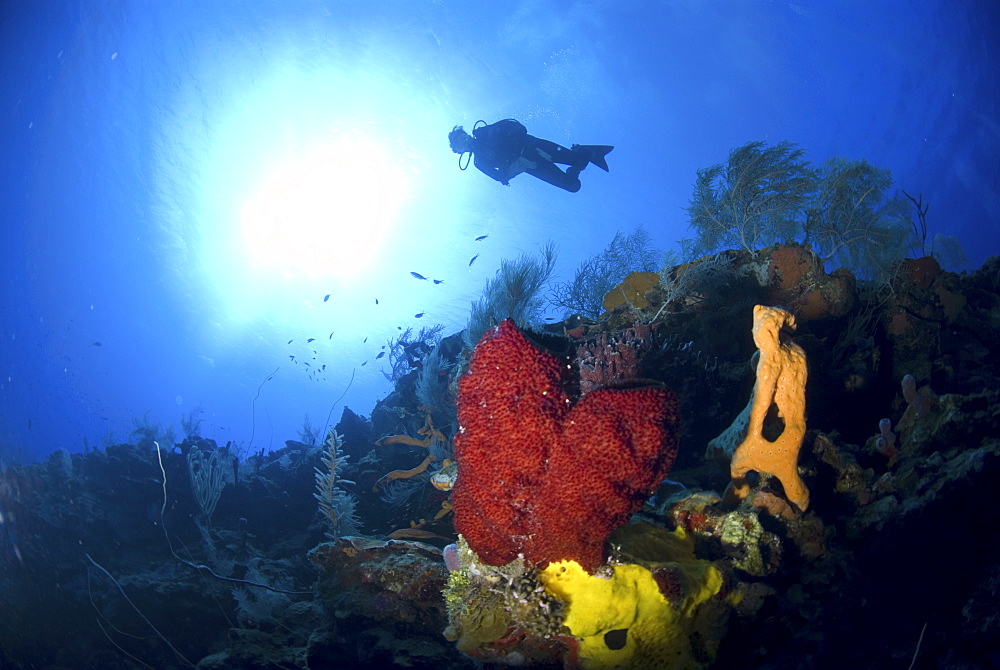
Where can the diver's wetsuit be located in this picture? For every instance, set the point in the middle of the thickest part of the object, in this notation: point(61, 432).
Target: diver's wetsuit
point(499, 144)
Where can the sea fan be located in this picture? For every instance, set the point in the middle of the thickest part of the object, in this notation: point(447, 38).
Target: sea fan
point(855, 223)
point(602, 272)
point(754, 200)
point(515, 293)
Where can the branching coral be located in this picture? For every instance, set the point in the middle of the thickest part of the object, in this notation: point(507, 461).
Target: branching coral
point(336, 505)
point(765, 195)
point(207, 479)
point(442, 478)
point(406, 352)
point(712, 282)
point(433, 388)
point(433, 440)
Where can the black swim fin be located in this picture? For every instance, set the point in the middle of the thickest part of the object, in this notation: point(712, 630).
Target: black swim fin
point(595, 153)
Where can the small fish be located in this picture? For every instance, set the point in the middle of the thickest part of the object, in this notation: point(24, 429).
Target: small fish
point(364, 340)
point(290, 341)
point(95, 344)
point(364, 364)
point(331, 336)
point(311, 339)
point(326, 297)
point(380, 355)
point(307, 364)
point(291, 357)
point(482, 237)
point(417, 275)
point(376, 301)
point(438, 281)
point(322, 369)
point(417, 316)
point(473, 260)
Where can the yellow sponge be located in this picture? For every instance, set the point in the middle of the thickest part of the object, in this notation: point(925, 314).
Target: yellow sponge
point(632, 290)
point(625, 621)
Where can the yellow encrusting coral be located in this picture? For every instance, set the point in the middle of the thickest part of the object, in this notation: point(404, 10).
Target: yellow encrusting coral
point(624, 621)
point(781, 382)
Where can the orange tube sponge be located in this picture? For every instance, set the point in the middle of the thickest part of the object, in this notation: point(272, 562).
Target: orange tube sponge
point(781, 382)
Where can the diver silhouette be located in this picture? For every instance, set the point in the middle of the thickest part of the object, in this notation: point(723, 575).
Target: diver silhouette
point(504, 149)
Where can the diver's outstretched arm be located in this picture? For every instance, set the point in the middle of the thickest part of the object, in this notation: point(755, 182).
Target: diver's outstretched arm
point(494, 173)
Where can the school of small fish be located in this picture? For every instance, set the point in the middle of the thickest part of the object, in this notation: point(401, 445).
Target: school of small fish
point(316, 370)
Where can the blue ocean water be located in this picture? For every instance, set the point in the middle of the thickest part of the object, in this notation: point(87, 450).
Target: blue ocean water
point(183, 183)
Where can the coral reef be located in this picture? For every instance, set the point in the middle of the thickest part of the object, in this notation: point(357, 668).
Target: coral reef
point(923, 305)
point(501, 613)
point(109, 509)
point(893, 564)
point(797, 281)
point(769, 195)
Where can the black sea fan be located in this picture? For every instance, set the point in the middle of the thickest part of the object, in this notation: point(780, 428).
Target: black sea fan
point(753, 200)
point(854, 222)
point(514, 293)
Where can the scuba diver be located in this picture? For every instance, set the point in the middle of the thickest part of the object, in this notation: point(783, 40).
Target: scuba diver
point(504, 149)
